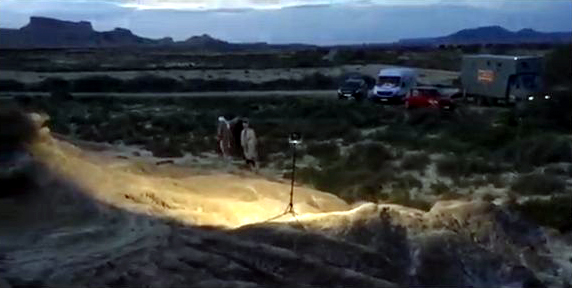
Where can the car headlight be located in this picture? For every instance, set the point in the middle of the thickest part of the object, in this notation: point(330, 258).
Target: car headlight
point(547, 97)
point(530, 98)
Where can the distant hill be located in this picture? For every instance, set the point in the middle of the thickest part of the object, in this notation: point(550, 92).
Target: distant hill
point(491, 35)
point(52, 33)
point(42, 32)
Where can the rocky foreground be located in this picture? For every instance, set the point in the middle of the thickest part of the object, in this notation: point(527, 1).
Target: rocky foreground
point(72, 218)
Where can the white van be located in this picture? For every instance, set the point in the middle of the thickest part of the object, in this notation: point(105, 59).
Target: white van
point(394, 84)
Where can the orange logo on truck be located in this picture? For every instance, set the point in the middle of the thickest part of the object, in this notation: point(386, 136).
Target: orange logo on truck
point(486, 76)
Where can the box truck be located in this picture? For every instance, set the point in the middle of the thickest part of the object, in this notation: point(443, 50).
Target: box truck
point(500, 78)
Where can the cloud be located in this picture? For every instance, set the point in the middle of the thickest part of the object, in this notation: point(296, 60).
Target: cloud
point(203, 5)
point(307, 21)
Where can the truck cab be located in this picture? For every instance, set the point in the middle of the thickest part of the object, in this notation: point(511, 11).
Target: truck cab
point(394, 84)
point(522, 86)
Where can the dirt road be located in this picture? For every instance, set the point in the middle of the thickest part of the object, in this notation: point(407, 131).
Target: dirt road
point(274, 93)
point(249, 75)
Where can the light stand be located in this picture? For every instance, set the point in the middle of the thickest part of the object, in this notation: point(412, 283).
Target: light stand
point(294, 140)
point(294, 143)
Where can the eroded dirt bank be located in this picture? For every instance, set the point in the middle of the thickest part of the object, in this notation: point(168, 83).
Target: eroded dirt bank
point(75, 218)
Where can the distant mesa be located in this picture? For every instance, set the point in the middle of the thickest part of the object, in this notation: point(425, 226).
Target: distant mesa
point(491, 35)
point(42, 32)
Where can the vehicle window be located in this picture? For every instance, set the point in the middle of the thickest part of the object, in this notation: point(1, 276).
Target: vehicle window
point(430, 92)
point(388, 80)
point(529, 81)
point(352, 84)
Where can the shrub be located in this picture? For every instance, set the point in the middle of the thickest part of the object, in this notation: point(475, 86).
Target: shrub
point(489, 197)
point(559, 170)
point(538, 150)
point(496, 180)
point(553, 212)
point(402, 197)
point(558, 68)
point(197, 145)
point(17, 129)
point(407, 182)
point(417, 161)
point(267, 146)
point(538, 184)
point(352, 136)
point(164, 148)
point(440, 188)
point(97, 84)
point(51, 84)
point(349, 184)
point(424, 118)
point(400, 135)
point(12, 86)
point(369, 155)
point(458, 166)
point(450, 195)
point(150, 83)
point(326, 152)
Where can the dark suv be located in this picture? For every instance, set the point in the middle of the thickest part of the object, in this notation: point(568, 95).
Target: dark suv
point(353, 88)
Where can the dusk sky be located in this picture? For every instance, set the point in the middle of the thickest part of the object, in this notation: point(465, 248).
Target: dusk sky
point(302, 21)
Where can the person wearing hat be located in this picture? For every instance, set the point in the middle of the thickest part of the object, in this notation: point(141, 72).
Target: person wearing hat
point(248, 142)
point(224, 138)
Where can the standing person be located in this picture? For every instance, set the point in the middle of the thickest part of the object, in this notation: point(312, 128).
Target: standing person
point(224, 138)
point(248, 142)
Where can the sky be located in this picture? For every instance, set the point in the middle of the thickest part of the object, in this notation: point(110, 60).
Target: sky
point(324, 22)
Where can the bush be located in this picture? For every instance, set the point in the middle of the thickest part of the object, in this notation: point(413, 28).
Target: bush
point(424, 118)
point(559, 170)
point(440, 188)
point(458, 166)
point(16, 128)
point(496, 180)
point(407, 182)
point(489, 197)
point(150, 83)
point(12, 86)
point(402, 197)
point(400, 135)
point(326, 152)
point(417, 161)
point(349, 184)
point(538, 150)
point(538, 184)
point(164, 148)
point(370, 155)
point(558, 66)
point(97, 84)
point(553, 212)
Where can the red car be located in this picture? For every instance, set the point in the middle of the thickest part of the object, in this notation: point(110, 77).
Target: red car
point(428, 97)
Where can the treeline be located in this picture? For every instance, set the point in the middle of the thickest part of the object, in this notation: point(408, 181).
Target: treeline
point(149, 83)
